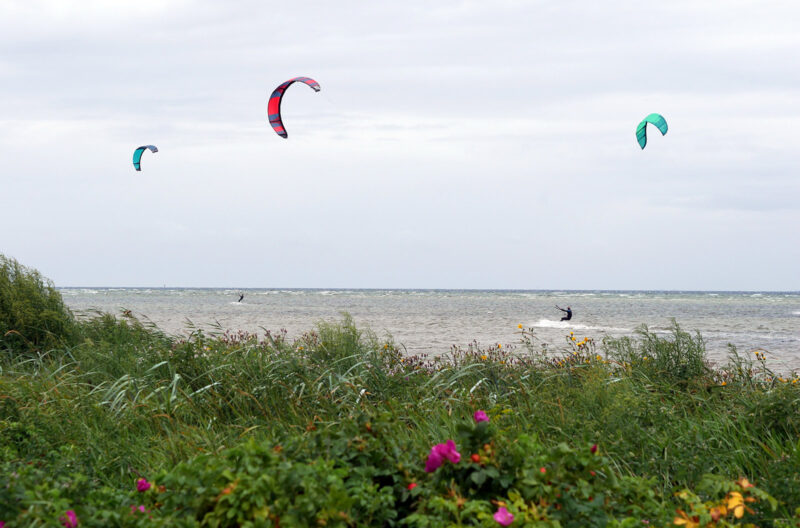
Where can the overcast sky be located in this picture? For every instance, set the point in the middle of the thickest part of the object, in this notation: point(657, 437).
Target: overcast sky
point(454, 144)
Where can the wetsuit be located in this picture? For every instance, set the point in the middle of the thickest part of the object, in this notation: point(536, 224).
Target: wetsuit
point(241, 296)
point(568, 312)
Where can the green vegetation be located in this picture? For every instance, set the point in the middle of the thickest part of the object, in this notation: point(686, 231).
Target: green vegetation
point(32, 314)
point(335, 428)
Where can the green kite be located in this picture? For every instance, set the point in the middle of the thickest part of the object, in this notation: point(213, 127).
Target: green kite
point(137, 155)
point(654, 119)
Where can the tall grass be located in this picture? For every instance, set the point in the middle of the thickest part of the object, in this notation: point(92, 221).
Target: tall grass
point(130, 399)
point(113, 398)
point(33, 316)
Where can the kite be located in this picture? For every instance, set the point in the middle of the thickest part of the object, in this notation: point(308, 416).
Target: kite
point(137, 155)
point(654, 119)
point(274, 106)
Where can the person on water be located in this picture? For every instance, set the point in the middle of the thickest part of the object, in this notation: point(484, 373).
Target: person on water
point(568, 311)
point(241, 296)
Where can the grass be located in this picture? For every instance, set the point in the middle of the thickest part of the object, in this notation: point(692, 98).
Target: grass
point(119, 400)
point(130, 400)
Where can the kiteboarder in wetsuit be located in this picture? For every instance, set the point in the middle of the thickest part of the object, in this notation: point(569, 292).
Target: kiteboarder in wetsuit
point(568, 311)
point(241, 296)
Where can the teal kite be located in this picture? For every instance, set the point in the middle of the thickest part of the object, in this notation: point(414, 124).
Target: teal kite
point(654, 119)
point(137, 155)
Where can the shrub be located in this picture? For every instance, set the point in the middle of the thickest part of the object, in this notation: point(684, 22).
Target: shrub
point(556, 486)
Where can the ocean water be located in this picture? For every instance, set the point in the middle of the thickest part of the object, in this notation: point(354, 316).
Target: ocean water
point(431, 321)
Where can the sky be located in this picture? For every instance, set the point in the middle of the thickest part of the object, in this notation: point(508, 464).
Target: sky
point(454, 144)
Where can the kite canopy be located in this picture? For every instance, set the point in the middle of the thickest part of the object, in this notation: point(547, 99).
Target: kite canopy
point(274, 106)
point(654, 119)
point(137, 155)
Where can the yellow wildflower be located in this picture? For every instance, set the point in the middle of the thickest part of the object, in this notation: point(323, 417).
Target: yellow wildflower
point(483, 357)
point(718, 512)
point(736, 504)
point(519, 325)
point(684, 520)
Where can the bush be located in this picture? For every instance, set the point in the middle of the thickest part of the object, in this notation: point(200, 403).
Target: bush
point(33, 315)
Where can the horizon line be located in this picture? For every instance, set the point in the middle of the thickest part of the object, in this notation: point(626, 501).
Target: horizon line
point(317, 288)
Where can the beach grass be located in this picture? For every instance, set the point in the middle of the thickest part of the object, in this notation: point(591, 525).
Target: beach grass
point(114, 400)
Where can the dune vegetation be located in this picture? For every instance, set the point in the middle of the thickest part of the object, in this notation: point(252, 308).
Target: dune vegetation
point(107, 421)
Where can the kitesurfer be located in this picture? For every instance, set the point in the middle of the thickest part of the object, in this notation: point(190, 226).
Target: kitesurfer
point(241, 296)
point(568, 311)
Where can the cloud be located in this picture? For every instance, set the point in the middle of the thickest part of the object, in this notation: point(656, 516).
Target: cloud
point(441, 133)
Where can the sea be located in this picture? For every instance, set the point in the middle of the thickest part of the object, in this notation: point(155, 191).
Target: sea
point(433, 321)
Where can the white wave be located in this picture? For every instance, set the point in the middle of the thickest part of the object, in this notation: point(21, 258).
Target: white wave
point(569, 325)
point(796, 312)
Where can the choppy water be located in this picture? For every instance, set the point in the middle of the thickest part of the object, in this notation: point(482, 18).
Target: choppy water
point(430, 321)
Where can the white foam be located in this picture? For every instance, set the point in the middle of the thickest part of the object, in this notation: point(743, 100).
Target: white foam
point(568, 325)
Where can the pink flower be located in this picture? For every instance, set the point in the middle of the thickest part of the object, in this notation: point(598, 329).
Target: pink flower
point(142, 485)
point(439, 453)
point(593, 449)
point(70, 520)
point(139, 508)
point(410, 487)
point(480, 416)
point(503, 516)
point(2, 524)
